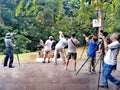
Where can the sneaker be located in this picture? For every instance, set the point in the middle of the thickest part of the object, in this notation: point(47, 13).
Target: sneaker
point(4, 65)
point(11, 66)
point(43, 61)
point(118, 87)
point(103, 86)
point(48, 61)
point(89, 73)
point(93, 72)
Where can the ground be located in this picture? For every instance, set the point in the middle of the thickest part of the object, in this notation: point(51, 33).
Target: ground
point(39, 76)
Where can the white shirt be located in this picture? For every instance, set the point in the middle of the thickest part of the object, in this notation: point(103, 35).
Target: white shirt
point(71, 46)
point(48, 45)
point(111, 56)
point(62, 43)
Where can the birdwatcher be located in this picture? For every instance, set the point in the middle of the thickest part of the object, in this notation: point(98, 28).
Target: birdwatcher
point(9, 50)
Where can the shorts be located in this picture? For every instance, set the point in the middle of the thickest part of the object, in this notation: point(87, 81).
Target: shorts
point(72, 55)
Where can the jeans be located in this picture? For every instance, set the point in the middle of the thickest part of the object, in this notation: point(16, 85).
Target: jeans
point(106, 75)
point(9, 54)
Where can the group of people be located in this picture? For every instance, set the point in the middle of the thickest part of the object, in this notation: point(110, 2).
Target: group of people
point(109, 61)
point(109, 53)
point(59, 48)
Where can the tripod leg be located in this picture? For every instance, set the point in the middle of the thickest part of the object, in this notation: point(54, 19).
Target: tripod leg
point(97, 61)
point(82, 52)
point(18, 59)
point(82, 66)
point(99, 73)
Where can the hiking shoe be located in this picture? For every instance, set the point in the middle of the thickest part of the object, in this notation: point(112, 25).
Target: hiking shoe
point(103, 86)
point(118, 87)
point(43, 61)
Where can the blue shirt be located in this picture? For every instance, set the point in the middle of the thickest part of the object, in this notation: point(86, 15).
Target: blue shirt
point(92, 49)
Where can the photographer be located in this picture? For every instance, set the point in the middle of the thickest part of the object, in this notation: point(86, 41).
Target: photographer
point(72, 45)
point(59, 48)
point(47, 49)
point(110, 61)
point(91, 53)
point(9, 48)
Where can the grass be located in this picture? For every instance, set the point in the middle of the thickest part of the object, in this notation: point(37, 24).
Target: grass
point(31, 57)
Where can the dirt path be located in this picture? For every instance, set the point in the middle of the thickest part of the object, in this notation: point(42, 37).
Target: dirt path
point(39, 76)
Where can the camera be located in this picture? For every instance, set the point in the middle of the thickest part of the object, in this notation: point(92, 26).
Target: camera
point(104, 33)
point(13, 33)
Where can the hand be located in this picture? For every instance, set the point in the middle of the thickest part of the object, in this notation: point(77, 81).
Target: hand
point(84, 35)
point(60, 32)
point(103, 37)
point(14, 45)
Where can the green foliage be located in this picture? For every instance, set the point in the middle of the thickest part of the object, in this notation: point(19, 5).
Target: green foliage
point(18, 9)
point(33, 20)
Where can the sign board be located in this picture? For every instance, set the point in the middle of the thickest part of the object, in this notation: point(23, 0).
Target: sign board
point(96, 22)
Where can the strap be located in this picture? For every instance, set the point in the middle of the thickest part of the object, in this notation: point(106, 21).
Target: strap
point(73, 43)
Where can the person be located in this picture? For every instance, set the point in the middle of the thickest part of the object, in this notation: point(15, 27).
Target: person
point(9, 50)
point(110, 61)
point(91, 53)
point(47, 49)
point(59, 48)
point(72, 44)
point(40, 47)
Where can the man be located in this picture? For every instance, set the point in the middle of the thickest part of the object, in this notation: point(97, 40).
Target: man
point(9, 50)
point(91, 53)
point(72, 44)
point(47, 49)
point(60, 48)
point(110, 61)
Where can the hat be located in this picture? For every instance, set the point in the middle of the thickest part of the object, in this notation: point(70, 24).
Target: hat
point(8, 35)
point(50, 37)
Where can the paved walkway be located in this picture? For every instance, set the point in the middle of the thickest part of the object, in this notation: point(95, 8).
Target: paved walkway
point(39, 76)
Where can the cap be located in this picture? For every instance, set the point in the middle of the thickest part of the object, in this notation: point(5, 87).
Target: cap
point(50, 37)
point(8, 35)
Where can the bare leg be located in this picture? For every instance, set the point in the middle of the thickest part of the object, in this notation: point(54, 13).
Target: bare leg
point(74, 65)
point(67, 64)
point(45, 56)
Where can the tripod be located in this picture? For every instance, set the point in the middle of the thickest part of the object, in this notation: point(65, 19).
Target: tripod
point(80, 59)
point(85, 61)
point(101, 57)
point(16, 51)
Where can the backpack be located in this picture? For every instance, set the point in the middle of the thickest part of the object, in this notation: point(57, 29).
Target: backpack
point(53, 45)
